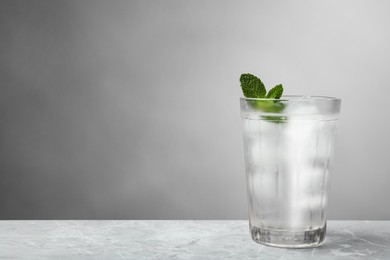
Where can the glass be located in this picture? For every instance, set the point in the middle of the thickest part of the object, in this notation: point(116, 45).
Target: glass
point(288, 148)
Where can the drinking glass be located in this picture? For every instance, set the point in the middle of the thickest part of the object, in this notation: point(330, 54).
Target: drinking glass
point(288, 148)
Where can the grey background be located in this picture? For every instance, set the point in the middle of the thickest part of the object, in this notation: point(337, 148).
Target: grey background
point(129, 109)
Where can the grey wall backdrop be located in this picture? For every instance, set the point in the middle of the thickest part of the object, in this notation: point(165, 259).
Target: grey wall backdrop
point(129, 109)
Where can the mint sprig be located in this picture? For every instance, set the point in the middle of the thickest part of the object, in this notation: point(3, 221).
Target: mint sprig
point(252, 87)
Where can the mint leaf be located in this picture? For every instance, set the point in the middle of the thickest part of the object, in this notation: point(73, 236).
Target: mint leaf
point(276, 92)
point(269, 106)
point(252, 87)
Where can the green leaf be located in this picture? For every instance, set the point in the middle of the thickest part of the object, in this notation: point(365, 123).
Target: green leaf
point(252, 87)
point(276, 92)
point(275, 119)
point(270, 106)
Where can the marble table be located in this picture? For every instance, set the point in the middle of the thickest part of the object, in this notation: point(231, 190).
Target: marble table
point(179, 239)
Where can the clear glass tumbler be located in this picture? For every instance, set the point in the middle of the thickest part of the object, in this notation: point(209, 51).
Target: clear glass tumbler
point(288, 147)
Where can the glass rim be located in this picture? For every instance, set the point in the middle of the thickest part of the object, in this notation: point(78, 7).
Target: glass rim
point(297, 98)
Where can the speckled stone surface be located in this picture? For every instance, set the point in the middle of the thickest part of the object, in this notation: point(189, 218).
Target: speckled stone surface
point(183, 239)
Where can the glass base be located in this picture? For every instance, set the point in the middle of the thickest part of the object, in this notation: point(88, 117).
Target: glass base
point(288, 239)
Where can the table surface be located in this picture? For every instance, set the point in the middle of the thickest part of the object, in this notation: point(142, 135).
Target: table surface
point(179, 239)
